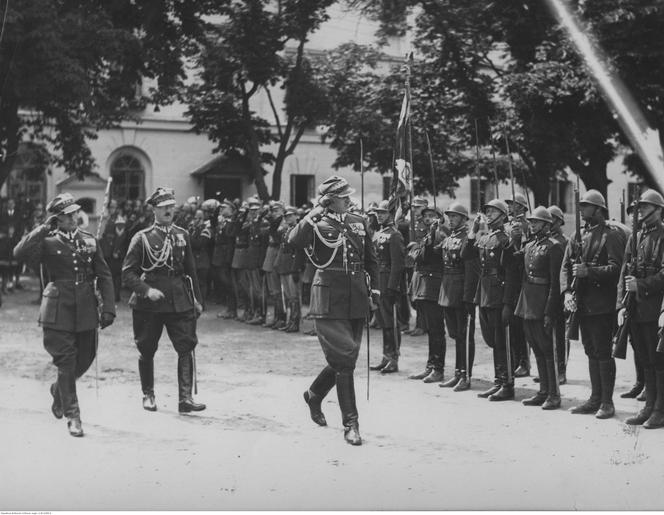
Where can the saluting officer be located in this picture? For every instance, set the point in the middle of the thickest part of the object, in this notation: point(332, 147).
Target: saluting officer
point(457, 295)
point(161, 272)
point(69, 314)
point(272, 281)
point(538, 304)
point(200, 236)
point(517, 230)
point(424, 291)
point(647, 285)
point(342, 251)
point(597, 272)
point(412, 233)
point(222, 258)
point(497, 290)
point(390, 254)
point(289, 265)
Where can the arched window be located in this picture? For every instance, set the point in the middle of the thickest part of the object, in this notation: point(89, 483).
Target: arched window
point(128, 178)
point(27, 179)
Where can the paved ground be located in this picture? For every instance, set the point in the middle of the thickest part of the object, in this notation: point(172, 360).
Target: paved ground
point(256, 448)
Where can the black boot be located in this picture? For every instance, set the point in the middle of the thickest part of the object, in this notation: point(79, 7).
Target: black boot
point(656, 419)
point(380, 365)
point(464, 382)
point(295, 318)
point(553, 398)
point(592, 404)
point(651, 394)
point(56, 407)
point(452, 381)
point(490, 391)
point(185, 383)
point(434, 377)
point(607, 371)
point(506, 391)
point(146, 373)
point(640, 382)
point(539, 398)
point(74, 426)
point(68, 397)
point(346, 395)
point(316, 393)
point(421, 375)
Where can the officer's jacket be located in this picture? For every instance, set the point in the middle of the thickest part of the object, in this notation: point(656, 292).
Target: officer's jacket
point(273, 244)
point(602, 248)
point(425, 282)
point(290, 258)
point(117, 249)
point(559, 237)
point(418, 234)
point(200, 237)
point(340, 287)
point(498, 282)
point(540, 287)
point(258, 235)
point(176, 279)
point(460, 270)
point(649, 273)
point(224, 243)
point(70, 266)
point(390, 255)
point(240, 230)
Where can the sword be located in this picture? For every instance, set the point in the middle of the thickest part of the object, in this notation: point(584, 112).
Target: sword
point(508, 352)
point(468, 322)
point(366, 320)
point(554, 334)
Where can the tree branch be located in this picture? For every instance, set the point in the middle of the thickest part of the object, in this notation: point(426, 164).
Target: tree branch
point(296, 138)
point(276, 114)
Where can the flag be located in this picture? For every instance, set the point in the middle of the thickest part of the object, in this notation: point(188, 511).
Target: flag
point(402, 173)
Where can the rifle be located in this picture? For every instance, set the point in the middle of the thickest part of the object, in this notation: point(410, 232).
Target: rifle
point(572, 322)
point(622, 333)
point(622, 208)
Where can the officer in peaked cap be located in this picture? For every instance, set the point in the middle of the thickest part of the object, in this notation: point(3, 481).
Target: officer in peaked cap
point(72, 260)
point(161, 272)
point(538, 304)
point(344, 256)
point(417, 235)
point(595, 270)
point(222, 257)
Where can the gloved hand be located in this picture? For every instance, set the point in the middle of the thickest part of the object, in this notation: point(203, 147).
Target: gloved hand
point(569, 302)
point(106, 319)
point(621, 316)
point(506, 314)
point(198, 307)
point(660, 323)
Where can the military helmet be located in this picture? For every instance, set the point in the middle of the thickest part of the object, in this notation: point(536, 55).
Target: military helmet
point(520, 199)
point(210, 204)
point(383, 206)
point(420, 202)
point(542, 214)
point(498, 204)
point(594, 198)
point(457, 208)
point(651, 197)
point(556, 212)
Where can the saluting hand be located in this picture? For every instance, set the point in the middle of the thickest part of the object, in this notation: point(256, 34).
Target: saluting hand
point(154, 294)
point(51, 222)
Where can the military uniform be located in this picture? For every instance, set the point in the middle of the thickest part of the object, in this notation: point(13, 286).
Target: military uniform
point(69, 311)
point(390, 254)
point(497, 290)
point(114, 245)
point(561, 347)
point(602, 250)
point(289, 265)
point(538, 307)
point(161, 258)
point(256, 251)
point(457, 296)
point(272, 279)
point(341, 248)
point(201, 237)
point(240, 231)
point(415, 233)
point(649, 273)
point(222, 258)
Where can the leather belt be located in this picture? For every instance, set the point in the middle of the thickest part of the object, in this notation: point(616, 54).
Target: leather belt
point(489, 271)
point(352, 267)
point(537, 280)
point(78, 278)
point(453, 271)
point(163, 273)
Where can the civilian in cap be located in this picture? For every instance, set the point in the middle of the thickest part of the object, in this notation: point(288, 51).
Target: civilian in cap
point(69, 314)
point(161, 272)
point(344, 256)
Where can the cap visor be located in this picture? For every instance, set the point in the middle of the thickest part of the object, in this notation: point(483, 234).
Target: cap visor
point(165, 203)
point(70, 209)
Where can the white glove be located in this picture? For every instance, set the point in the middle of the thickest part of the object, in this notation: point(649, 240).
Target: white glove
point(570, 302)
point(660, 323)
point(621, 316)
point(154, 294)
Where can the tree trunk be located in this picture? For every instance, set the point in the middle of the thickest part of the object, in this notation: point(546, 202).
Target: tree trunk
point(253, 148)
point(276, 176)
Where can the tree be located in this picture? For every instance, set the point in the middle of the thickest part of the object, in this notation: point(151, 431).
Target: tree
point(72, 67)
point(259, 48)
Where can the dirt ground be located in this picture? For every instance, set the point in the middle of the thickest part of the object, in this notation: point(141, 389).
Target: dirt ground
point(256, 448)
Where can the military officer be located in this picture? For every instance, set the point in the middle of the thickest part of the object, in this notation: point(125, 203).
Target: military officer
point(647, 287)
point(561, 347)
point(517, 230)
point(289, 265)
point(240, 274)
point(457, 295)
point(390, 253)
point(424, 291)
point(342, 251)
point(222, 258)
point(161, 272)
point(497, 289)
point(200, 236)
point(596, 268)
point(71, 261)
point(272, 281)
point(114, 247)
point(538, 303)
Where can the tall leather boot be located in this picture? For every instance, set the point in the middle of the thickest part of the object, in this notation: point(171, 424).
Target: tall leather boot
point(553, 398)
point(295, 317)
point(592, 404)
point(146, 372)
point(656, 419)
point(496, 381)
point(607, 372)
point(539, 398)
point(349, 416)
point(390, 351)
point(56, 406)
point(185, 384)
point(651, 394)
point(67, 388)
point(316, 393)
point(638, 385)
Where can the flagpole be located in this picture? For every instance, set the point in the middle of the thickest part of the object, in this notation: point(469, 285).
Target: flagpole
point(477, 167)
point(410, 148)
point(433, 173)
point(493, 158)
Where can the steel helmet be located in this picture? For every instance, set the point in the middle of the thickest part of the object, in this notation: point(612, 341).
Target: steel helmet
point(498, 204)
point(542, 214)
point(651, 197)
point(556, 212)
point(594, 198)
point(457, 208)
point(519, 199)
